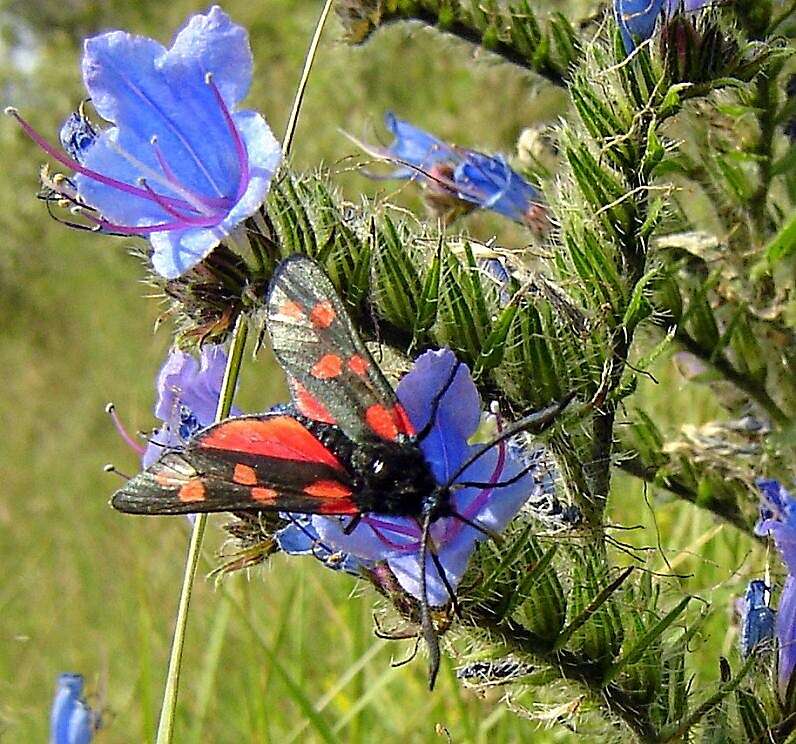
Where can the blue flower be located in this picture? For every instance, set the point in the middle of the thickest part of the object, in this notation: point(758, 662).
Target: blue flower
point(637, 18)
point(188, 392)
point(757, 618)
point(489, 182)
point(179, 163)
point(71, 720)
point(396, 540)
point(778, 518)
point(458, 176)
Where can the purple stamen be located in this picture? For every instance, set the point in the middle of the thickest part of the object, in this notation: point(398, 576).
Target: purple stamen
point(380, 527)
point(69, 162)
point(212, 202)
point(137, 447)
point(190, 219)
point(240, 145)
point(144, 229)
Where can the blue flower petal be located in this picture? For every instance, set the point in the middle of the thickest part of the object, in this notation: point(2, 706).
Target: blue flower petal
point(458, 415)
point(454, 561)
point(300, 538)
point(69, 688)
point(177, 251)
point(188, 392)
point(416, 147)
point(637, 18)
point(212, 43)
point(71, 720)
point(146, 91)
point(491, 183)
point(81, 725)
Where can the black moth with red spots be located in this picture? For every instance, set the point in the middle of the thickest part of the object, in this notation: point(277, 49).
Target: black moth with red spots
point(349, 449)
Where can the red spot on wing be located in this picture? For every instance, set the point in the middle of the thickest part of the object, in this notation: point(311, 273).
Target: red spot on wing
point(333, 497)
point(381, 421)
point(168, 481)
point(358, 365)
point(244, 474)
point(264, 495)
point(309, 405)
point(327, 367)
point(291, 309)
point(193, 490)
point(280, 437)
point(322, 315)
point(388, 423)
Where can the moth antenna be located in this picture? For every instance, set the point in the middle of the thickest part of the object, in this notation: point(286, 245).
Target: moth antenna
point(111, 468)
point(435, 403)
point(110, 409)
point(426, 622)
point(457, 610)
point(538, 421)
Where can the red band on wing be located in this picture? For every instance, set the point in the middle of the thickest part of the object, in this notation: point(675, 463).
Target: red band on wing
point(328, 489)
point(264, 495)
point(280, 437)
point(309, 405)
point(404, 424)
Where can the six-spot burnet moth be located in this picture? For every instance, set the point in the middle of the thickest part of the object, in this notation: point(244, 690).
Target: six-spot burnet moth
point(346, 448)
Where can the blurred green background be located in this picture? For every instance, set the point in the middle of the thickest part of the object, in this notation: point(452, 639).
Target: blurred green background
point(286, 653)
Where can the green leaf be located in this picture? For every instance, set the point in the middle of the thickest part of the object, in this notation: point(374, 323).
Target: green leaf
point(676, 731)
point(537, 601)
point(429, 298)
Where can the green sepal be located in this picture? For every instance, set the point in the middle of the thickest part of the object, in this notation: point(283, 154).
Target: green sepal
point(396, 282)
point(644, 641)
point(752, 715)
point(593, 627)
point(494, 345)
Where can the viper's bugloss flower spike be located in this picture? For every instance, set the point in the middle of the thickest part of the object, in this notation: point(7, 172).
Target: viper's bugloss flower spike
point(396, 540)
point(188, 390)
point(757, 617)
point(637, 18)
point(71, 720)
point(457, 177)
point(179, 165)
point(778, 518)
